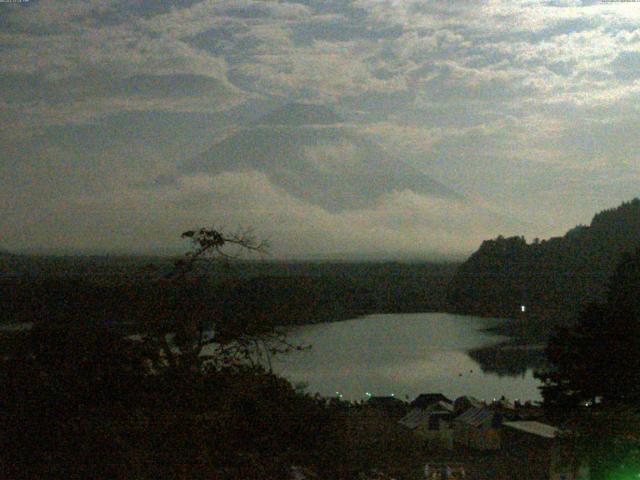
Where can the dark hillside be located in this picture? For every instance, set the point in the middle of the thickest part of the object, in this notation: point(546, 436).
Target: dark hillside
point(103, 290)
point(551, 278)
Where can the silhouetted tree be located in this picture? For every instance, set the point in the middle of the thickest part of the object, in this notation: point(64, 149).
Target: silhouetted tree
point(62, 388)
point(593, 385)
point(83, 400)
point(186, 333)
point(598, 359)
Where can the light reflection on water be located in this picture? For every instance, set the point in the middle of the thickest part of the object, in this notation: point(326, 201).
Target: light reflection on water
point(404, 354)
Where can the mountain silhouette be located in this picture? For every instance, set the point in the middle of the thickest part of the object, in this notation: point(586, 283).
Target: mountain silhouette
point(552, 278)
point(310, 153)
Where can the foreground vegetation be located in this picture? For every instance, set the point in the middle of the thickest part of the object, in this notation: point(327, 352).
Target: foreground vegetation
point(83, 403)
point(189, 396)
point(592, 386)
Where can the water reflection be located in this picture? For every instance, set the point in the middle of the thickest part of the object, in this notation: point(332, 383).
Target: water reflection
point(510, 360)
point(404, 354)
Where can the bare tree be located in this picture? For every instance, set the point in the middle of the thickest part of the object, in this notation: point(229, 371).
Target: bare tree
point(194, 339)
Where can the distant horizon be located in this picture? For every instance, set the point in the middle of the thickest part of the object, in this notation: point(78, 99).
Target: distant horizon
point(246, 258)
point(310, 258)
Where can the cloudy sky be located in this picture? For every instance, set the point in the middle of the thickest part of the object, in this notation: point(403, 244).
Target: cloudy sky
point(407, 128)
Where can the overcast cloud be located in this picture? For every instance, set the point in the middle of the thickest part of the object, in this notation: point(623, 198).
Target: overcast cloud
point(528, 110)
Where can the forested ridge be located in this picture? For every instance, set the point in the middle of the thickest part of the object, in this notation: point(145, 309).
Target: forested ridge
point(108, 290)
point(550, 278)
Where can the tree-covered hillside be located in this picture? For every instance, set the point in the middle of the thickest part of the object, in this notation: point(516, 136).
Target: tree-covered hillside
point(551, 278)
point(106, 290)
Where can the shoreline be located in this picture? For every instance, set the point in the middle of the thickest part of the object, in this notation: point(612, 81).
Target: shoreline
point(522, 350)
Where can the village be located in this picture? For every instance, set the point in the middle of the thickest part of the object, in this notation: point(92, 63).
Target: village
point(472, 439)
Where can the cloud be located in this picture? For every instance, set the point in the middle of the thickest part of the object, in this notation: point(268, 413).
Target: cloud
point(523, 104)
point(626, 65)
point(97, 84)
point(123, 215)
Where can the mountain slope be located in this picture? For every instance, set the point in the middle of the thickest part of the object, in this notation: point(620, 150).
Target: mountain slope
point(553, 279)
point(308, 152)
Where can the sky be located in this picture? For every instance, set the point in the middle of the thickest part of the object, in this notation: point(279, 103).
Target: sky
point(332, 128)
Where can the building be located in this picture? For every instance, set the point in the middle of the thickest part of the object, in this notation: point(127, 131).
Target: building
point(528, 411)
point(466, 402)
point(532, 450)
point(426, 400)
point(433, 425)
point(478, 429)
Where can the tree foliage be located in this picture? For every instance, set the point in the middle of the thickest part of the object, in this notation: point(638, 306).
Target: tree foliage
point(598, 359)
point(554, 278)
point(78, 397)
point(188, 397)
point(187, 339)
point(593, 383)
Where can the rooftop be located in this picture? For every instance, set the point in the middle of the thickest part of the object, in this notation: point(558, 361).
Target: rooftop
point(417, 416)
point(534, 428)
point(477, 417)
point(426, 399)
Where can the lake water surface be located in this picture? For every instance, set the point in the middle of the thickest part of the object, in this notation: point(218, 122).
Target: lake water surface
point(403, 354)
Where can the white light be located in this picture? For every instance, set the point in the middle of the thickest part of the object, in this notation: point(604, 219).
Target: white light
point(523, 308)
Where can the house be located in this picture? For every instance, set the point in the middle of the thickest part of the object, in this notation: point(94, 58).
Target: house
point(528, 411)
point(533, 450)
point(478, 429)
point(425, 400)
point(464, 403)
point(433, 425)
point(503, 405)
point(439, 407)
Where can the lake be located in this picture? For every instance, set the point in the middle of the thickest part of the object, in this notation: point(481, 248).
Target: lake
point(400, 354)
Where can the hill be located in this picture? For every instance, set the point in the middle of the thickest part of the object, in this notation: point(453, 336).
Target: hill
point(99, 289)
point(552, 278)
